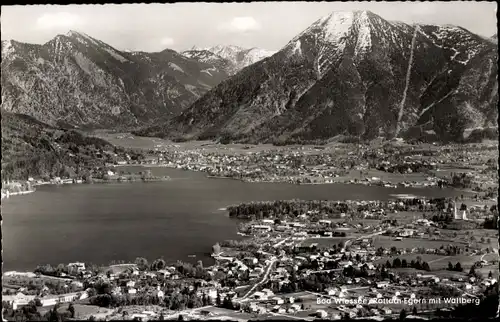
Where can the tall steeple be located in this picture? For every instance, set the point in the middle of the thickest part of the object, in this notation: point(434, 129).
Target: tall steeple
point(456, 215)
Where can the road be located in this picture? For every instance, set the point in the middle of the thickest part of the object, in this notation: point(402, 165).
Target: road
point(463, 292)
point(57, 278)
point(438, 259)
point(291, 316)
point(328, 270)
point(369, 236)
point(263, 280)
point(189, 311)
point(281, 242)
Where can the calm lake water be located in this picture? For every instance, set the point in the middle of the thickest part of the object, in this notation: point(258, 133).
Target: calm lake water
point(103, 222)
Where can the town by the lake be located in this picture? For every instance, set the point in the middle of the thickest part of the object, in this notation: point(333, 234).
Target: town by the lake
point(250, 161)
point(405, 255)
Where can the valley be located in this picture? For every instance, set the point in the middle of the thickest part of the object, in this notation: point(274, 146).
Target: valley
point(351, 173)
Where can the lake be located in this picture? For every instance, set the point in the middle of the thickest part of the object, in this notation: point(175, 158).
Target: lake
point(121, 221)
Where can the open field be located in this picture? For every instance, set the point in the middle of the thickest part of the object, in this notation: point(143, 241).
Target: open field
point(490, 234)
point(225, 314)
point(439, 273)
point(23, 280)
point(325, 241)
point(82, 312)
point(436, 262)
point(388, 242)
point(409, 257)
point(137, 142)
point(405, 217)
point(394, 178)
point(485, 270)
point(119, 268)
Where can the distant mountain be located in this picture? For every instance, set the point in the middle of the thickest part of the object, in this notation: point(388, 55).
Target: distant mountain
point(206, 56)
point(77, 80)
point(234, 58)
point(352, 74)
point(33, 148)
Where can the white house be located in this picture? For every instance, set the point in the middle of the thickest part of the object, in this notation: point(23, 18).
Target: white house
point(386, 310)
point(382, 284)
point(17, 300)
point(277, 300)
point(321, 314)
point(80, 267)
point(63, 298)
point(139, 316)
point(331, 291)
point(77, 283)
point(250, 260)
point(261, 227)
point(260, 296)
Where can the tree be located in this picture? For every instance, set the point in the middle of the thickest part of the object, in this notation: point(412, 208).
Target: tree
point(396, 263)
point(181, 318)
point(490, 275)
point(425, 266)
point(402, 315)
point(71, 310)
point(141, 263)
point(450, 266)
point(404, 263)
point(216, 249)
point(414, 312)
point(218, 300)
point(158, 264)
point(388, 264)
point(458, 267)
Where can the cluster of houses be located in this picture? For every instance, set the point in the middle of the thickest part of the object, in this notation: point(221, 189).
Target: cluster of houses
point(21, 299)
point(276, 165)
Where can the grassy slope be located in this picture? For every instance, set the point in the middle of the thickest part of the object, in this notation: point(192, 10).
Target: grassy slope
point(33, 148)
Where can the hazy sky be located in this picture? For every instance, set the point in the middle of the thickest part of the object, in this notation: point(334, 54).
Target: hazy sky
point(268, 25)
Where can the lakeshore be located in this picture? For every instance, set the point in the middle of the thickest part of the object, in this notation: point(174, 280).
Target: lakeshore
point(281, 235)
point(189, 201)
point(276, 265)
point(113, 178)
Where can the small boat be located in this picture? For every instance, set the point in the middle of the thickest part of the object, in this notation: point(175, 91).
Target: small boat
point(191, 255)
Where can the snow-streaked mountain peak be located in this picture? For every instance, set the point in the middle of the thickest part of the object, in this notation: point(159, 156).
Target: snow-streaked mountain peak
point(82, 38)
point(237, 56)
point(7, 48)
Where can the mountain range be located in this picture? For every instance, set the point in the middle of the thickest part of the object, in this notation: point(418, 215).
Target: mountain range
point(353, 74)
point(349, 74)
point(77, 80)
point(235, 57)
point(31, 148)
